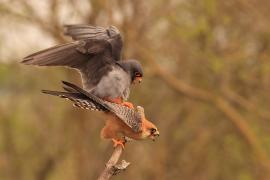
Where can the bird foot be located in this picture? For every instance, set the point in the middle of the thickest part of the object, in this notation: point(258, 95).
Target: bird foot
point(119, 142)
point(114, 100)
point(120, 101)
point(128, 104)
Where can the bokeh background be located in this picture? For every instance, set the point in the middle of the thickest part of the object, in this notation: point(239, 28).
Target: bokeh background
point(206, 87)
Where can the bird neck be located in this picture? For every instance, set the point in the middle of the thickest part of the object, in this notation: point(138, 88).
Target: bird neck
point(126, 67)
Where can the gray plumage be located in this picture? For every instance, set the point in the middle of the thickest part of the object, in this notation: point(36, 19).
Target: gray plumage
point(96, 53)
point(116, 83)
point(85, 100)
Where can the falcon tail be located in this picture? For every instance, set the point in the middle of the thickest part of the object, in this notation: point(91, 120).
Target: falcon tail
point(79, 97)
point(85, 100)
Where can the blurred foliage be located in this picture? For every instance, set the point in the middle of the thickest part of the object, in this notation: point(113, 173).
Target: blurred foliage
point(206, 86)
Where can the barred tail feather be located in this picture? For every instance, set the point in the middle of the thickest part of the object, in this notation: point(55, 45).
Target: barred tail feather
point(85, 100)
point(79, 100)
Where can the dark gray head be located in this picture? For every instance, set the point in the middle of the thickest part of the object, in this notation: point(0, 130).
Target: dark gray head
point(133, 67)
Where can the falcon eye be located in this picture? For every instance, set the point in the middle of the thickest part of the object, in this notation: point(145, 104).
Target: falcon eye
point(137, 74)
point(153, 130)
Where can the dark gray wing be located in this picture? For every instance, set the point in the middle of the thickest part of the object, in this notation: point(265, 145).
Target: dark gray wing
point(95, 50)
point(111, 34)
point(85, 100)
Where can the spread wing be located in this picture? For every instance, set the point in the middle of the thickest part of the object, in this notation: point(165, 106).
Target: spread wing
point(111, 34)
point(85, 100)
point(93, 52)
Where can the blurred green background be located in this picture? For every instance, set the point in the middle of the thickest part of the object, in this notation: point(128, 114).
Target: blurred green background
point(206, 87)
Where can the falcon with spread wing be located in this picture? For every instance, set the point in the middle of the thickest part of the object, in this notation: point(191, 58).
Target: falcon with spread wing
point(96, 53)
point(122, 122)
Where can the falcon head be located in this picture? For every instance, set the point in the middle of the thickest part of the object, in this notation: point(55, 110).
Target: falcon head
point(134, 68)
point(149, 130)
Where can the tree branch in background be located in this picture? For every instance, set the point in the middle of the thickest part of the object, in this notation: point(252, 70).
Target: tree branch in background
point(246, 104)
point(50, 25)
point(218, 102)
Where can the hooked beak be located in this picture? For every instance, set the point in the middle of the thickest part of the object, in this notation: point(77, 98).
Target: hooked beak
point(154, 135)
point(137, 80)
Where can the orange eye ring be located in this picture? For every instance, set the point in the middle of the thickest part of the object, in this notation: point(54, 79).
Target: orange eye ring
point(138, 74)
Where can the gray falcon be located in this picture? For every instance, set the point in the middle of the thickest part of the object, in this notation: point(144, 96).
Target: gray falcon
point(96, 54)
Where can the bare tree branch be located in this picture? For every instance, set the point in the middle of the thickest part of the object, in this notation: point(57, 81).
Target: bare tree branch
point(111, 167)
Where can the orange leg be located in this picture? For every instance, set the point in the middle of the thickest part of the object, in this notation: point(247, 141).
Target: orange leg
point(128, 104)
point(118, 142)
point(120, 101)
point(114, 100)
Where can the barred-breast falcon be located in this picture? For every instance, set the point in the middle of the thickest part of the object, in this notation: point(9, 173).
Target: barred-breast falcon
point(122, 122)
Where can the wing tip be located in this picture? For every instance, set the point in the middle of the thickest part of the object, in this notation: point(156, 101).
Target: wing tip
point(54, 93)
point(27, 60)
point(66, 83)
point(46, 91)
point(69, 86)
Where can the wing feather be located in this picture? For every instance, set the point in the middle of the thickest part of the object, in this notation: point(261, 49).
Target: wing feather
point(81, 31)
point(111, 34)
point(85, 100)
point(93, 53)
